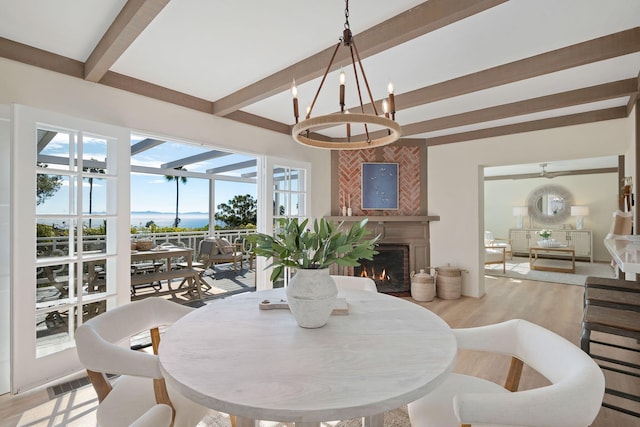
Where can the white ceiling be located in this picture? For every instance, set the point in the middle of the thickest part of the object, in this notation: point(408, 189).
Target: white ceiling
point(211, 49)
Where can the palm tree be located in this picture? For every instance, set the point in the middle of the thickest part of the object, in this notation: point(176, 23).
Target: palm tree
point(177, 179)
point(91, 170)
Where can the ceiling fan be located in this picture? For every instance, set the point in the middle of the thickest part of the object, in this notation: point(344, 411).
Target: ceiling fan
point(545, 174)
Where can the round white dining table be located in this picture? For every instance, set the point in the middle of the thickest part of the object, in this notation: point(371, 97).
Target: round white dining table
point(233, 357)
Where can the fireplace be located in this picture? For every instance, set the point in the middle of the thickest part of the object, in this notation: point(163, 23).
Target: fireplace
point(389, 269)
point(406, 237)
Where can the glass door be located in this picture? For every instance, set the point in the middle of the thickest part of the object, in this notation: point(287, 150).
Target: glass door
point(70, 233)
point(287, 187)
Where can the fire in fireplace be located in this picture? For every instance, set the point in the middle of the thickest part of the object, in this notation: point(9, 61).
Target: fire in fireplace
point(389, 269)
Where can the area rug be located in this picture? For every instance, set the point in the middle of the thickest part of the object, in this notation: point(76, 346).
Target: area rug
point(518, 268)
point(394, 418)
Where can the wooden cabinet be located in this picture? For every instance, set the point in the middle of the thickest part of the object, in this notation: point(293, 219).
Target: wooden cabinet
point(580, 240)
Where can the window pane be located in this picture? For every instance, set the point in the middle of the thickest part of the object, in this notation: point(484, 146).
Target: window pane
point(295, 204)
point(280, 204)
point(94, 154)
point(94, 276)
point(94, 240)
point(297, 178)
point(55, 237)
point(94, 196)
point(280, 181)
point(52, 332)
point(54, 284)
point(55, 148)
point(50, 285)
point(52, 194)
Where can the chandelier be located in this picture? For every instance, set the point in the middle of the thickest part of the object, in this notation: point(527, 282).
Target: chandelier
point(378, 130)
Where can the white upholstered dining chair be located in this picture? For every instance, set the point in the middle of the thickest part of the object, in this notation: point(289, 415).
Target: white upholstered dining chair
point(572, 399)
point(354, 283)
point(104, 347)
point(157, 416)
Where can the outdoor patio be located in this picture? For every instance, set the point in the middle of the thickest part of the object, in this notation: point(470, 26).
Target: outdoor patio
point(220, 283)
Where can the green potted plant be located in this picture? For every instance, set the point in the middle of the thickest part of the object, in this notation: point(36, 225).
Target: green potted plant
point(311, 293)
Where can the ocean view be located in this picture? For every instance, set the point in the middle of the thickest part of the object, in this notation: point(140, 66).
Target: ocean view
point(165, 219)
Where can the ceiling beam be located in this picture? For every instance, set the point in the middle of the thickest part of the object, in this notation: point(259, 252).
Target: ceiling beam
point(261, 122)
point(58, 160)
point(555, 174)
point(233, 167)
point(144, 145)
point(153, 91)
point(554, 122)
point(213, 154)
point(44, 138)
point(606, 47)
point(40, 58)
point(633, 98)
point(133, 18)
point(587, 95)
point(417, 21)
point(188, 174)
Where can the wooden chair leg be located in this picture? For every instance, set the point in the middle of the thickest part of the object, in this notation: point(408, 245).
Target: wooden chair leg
point(100, 383)
point(515, 372)
point(159, 384)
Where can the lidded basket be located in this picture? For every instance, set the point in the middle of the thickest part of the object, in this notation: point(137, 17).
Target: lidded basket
point(448, 282)
point(423, 287)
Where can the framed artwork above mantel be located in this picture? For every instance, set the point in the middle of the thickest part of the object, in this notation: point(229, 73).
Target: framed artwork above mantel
point(380, 186)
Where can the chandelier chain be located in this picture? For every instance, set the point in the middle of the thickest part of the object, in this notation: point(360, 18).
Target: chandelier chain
point(346, 15)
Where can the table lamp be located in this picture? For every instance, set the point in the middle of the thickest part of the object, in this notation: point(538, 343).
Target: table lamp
point(579, 212)
point(520, 212)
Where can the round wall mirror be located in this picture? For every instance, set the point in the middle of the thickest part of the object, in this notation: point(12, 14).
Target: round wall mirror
point(550, 204)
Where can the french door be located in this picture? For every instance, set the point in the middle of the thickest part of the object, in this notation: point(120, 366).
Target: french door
point(286, 190)
point(70, 235)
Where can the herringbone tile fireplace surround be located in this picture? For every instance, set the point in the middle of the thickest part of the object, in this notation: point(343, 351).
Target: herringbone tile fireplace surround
point(407, 226)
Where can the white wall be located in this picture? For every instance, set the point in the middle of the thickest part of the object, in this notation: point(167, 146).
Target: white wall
point(456, 188)
point(597, 191)
point(32, 86)
point(5, 254)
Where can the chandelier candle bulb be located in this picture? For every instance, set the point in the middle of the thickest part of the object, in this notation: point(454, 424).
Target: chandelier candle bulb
point(385, 108)
point(392, 101)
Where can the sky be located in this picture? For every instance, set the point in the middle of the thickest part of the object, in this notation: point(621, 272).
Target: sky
point(155, 193)
point(148, 192)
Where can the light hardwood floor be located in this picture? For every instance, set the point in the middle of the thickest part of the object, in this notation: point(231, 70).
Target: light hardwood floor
point(555, 306)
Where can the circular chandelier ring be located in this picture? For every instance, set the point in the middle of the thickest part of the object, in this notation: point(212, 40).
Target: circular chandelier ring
point(299, 130)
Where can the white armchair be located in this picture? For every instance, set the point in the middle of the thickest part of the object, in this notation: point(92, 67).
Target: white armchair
point(496, 255)
point(103, 345)
point(572, 399)
point(498, 242)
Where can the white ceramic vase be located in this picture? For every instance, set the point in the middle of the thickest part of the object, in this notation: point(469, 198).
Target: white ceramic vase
point(311, 295)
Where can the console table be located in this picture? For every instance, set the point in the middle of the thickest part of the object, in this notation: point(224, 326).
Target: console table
point(580, 240)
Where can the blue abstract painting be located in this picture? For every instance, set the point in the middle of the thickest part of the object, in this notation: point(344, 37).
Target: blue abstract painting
point(379, 186)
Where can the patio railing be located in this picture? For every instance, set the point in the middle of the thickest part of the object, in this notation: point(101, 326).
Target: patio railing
point(59, 245)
